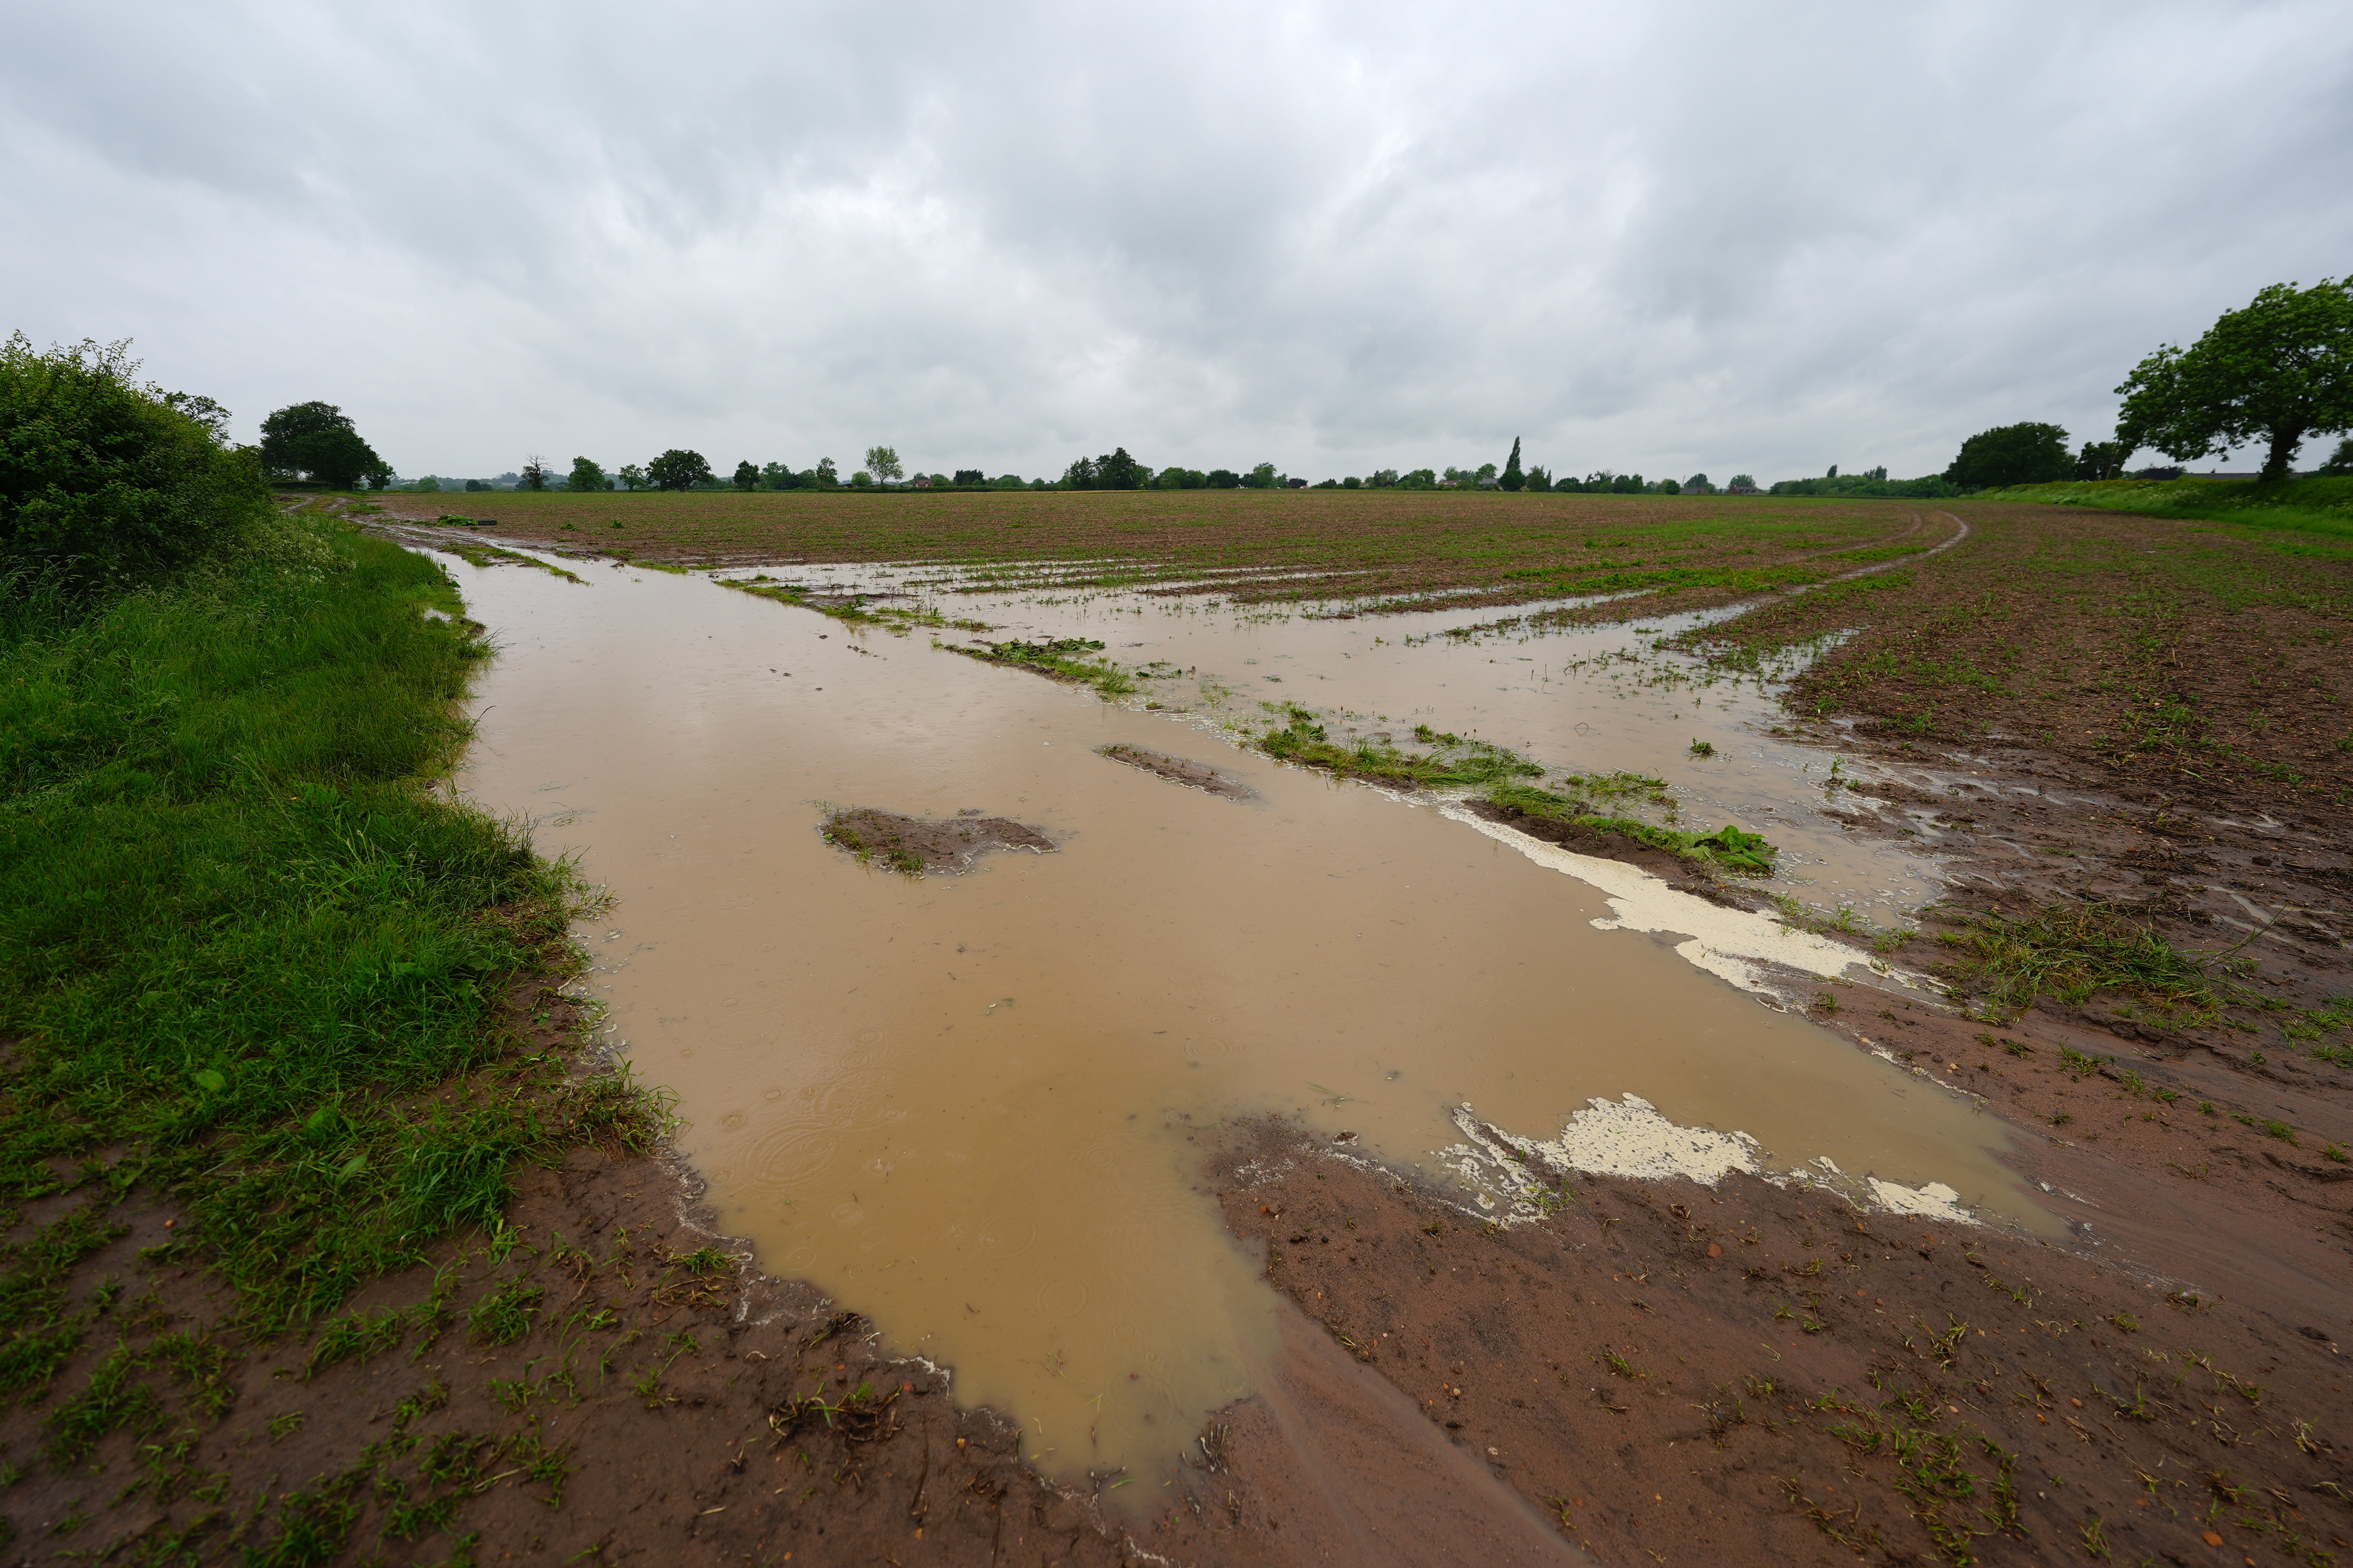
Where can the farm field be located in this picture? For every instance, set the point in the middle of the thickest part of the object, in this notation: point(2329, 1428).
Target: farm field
point(1378, 545)
point(2085, 769)
point(2209, 652)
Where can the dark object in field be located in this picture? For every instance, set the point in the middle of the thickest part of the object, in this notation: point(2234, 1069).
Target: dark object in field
point(916, 845)
point(1179, 770)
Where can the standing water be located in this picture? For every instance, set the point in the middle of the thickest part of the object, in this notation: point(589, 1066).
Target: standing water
point(966, 1107)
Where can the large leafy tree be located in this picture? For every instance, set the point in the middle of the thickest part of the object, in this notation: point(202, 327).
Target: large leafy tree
point(2028, 454)
point(882, 462)
point(317, 441)
point(2270, 374)
point(1120, 472)
point(679, 469)
point(587, 475)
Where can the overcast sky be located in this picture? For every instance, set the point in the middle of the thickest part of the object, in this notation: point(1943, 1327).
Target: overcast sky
point(1663, 238)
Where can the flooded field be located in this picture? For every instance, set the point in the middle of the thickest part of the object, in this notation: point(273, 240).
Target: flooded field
point(965, 1105)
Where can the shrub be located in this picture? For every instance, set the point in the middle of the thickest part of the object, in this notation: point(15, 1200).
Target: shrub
point(105, 486)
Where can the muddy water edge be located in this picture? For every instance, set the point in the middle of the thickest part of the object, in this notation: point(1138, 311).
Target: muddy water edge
point(969, 1107)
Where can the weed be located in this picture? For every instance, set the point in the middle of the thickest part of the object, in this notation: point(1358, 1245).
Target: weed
point(1727, 848)
point(1064, 658)
point(1452, 764)
point(504, 1316)
point(2070, 952)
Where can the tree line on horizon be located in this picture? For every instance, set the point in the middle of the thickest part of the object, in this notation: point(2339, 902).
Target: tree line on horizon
point(2273, 374)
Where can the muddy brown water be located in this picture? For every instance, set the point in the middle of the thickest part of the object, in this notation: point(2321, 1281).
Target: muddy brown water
point(965, 1105)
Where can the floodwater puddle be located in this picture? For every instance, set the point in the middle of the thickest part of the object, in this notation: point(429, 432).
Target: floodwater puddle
point(966, 1106)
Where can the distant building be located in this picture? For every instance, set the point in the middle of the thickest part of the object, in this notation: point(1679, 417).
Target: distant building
point(1742, 490)
point(921, 482)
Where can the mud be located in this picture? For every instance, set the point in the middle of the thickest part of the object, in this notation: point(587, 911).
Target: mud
point(920, 844)
point(1754, 1373)
point(960, 1105)
point(1179, 770)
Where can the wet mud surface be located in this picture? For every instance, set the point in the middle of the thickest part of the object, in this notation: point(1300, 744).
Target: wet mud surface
point(919, 844)
point(2157, 1363)
point(1759, 1374)
point(1180, 770)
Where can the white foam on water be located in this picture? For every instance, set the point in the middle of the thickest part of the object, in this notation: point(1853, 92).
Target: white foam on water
point(1728, 943)
point(1629, 1137)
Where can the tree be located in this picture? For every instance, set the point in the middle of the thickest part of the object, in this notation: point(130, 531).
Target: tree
point(1120, 472)
point(2028, 454)
point(586, 476)
point(747, 477)
point(828, 477)
point(778, 477)
point(472, 485)
point(105, 484)
point(203, 411)
point(2275, 373)
point(970, 477)
point(2341, 462)
point(1261, 477)
point(1383, 478)
point(633, 477)
point(883, 463)
point(316, 441)
point(2101, 460)
point(1080, 475)
point(1512, 478)
point(1539, 478)
point(535, 474)
point(679, 469)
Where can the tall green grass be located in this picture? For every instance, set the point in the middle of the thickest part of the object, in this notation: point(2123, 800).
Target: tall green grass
point(2312, 506)
point(252, 966)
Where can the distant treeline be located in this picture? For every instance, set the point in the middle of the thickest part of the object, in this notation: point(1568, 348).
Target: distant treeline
point(2010, 454)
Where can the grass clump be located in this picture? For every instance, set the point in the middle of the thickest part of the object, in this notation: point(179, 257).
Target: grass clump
point(1452, 762)
point(1728, 849)
point(2070, 952)
point(1064, 658)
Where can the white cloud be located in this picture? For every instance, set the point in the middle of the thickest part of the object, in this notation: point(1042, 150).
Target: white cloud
point(1337, 237)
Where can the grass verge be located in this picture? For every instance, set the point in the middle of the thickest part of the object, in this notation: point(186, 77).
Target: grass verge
point(254, 969)
point(2315, 506)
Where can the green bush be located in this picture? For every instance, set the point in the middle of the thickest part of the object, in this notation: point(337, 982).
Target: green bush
point(105, 486)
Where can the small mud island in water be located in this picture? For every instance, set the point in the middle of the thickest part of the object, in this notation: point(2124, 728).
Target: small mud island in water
point(915, 845)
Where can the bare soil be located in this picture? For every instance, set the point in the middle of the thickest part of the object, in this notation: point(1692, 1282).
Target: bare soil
point(1180, 770)
point(925, 845)
point(1759, 1374)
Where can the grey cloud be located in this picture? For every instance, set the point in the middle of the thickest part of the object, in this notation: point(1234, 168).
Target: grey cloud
point(1716, 237)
